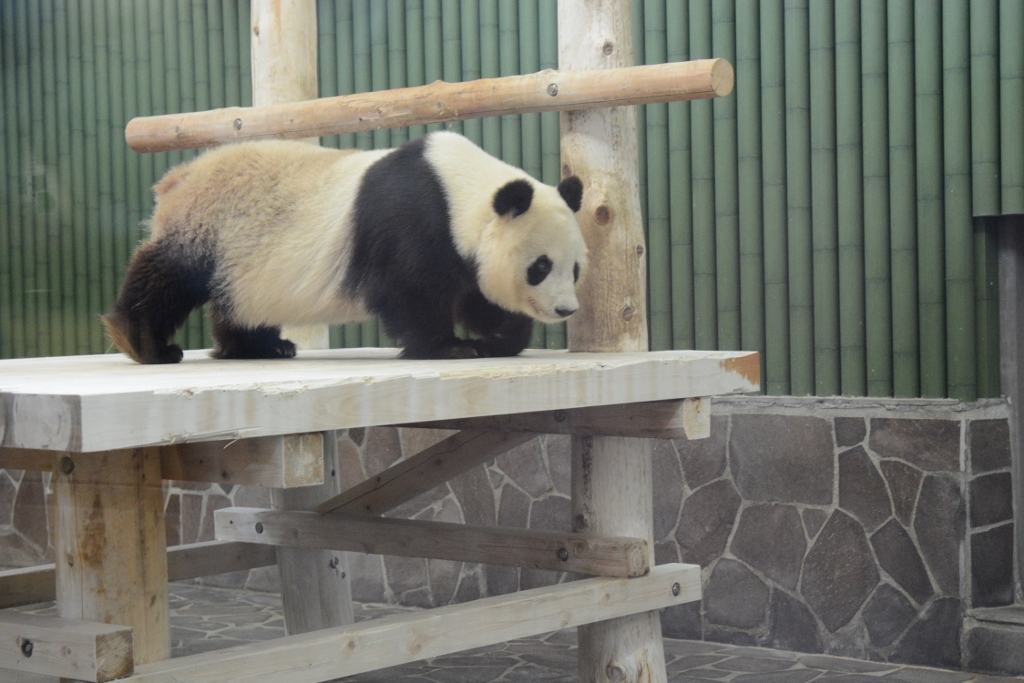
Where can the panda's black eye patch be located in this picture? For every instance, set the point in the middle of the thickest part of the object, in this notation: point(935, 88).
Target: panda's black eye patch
point(538, 270)
point(576, 272)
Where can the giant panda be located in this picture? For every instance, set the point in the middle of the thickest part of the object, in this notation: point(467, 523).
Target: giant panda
point(429, 235)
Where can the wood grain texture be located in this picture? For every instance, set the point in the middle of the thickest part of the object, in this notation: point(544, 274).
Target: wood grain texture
point(611, 476)
point(30, 585)
point(110, 545)
point(95, 403)
point(315, 588)
point(286, 461)
point(423, 471)
point(434, 103)
point(687, 418)
point(371, 645)
point(316, 583)
point(82, 650)
point(583, 553)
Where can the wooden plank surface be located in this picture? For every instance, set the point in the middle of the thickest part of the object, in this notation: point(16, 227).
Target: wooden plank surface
point(82, 650)
point(558, 551)
point(103, 402)
point(371, 645)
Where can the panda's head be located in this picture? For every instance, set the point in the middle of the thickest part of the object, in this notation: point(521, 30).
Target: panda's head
point(532, 252)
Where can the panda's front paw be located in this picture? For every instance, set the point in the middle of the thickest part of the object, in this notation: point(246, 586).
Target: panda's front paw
point(171, 353)
point(452, 349)
point(285, 349)
point(464, 350)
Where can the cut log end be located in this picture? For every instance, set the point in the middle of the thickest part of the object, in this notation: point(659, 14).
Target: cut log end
point(722, 77)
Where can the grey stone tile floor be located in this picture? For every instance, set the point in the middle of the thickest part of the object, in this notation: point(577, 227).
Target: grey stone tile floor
point(204, 618)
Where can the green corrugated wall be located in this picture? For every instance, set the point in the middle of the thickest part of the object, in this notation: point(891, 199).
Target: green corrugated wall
point(837, 213)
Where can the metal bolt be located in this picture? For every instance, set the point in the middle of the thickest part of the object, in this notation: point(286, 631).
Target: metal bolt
point(563, 554)
point(560, 416)
point(615, 673)
point(676, 589)
point(259, 527)
point(553, 89)
point(67, 465)
point(27, 647)
point(627, 313)
point(238, 124)
point(608, 48)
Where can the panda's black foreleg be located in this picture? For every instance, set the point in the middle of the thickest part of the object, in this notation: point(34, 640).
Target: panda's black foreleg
point(163, 284)
point(423, 327)
point(236, 341)
point(500, 333)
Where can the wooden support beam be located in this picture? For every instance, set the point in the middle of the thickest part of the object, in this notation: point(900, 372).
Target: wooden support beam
point(435, 103)
point(215, 557)
point(372, 645)
point(80, 650)
point(272, 461)
point(418, 474)
point(316, 590)
point(31, 585)
point(688, 418)
point(558, 551)
point(279, 462)
point(110, 545)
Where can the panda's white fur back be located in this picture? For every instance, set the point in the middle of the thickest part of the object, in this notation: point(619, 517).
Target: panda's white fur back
point(282, 212)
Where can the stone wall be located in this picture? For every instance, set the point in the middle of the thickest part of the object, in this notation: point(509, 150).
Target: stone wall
point(857, 527)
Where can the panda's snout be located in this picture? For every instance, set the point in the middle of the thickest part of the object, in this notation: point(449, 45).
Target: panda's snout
point(565, 312)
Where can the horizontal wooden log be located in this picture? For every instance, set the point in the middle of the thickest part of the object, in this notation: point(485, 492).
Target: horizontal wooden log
point(31, 585)
point(688, 418)
point(420, 473)
point(82, 650)
point(372, 645)
point(435, 103)
point(282, 462)
point(585, 554)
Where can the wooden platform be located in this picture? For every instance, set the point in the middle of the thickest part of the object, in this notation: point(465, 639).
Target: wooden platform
point(110, 430)
point(104, 402)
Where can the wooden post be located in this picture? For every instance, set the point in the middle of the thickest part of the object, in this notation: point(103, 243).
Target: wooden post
point(110, 546)
point(315, 585)
point(611, 476)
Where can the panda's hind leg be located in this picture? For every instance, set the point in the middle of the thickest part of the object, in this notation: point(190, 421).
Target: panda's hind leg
point(232, 340)
point(164, 282)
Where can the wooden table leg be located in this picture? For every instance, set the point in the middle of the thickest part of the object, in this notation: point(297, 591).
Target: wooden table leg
point(612, 495)
point(316, 589)
point(110, 545)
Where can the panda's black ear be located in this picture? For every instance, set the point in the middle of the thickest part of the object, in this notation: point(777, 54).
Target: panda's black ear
point(514, 198)
point(571, 190)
